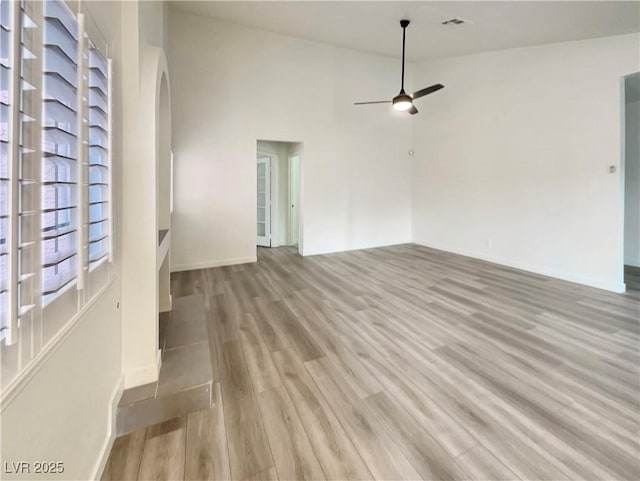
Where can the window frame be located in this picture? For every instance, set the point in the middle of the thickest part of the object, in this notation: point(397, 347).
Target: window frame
point(22, 344)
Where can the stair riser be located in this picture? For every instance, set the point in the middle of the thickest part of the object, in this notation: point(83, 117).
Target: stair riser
point(132, 417)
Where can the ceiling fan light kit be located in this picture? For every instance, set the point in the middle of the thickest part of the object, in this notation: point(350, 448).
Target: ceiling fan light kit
point(403, 102)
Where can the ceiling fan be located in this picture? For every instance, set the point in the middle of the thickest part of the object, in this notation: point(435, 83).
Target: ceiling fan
point(404, 101)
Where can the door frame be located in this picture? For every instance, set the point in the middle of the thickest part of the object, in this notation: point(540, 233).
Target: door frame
point(622, 179)
point(268, 203)
point(623, 175)
point(297, 153)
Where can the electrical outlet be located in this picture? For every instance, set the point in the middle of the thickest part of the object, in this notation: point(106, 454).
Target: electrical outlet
point(489, 242)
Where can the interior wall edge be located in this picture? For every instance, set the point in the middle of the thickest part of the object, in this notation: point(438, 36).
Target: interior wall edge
point(617, 287)
point(103, 457)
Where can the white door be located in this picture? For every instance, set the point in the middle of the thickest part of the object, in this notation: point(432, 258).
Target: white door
point(294, 196)
point(264, 201)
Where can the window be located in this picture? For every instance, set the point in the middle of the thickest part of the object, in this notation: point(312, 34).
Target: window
point(6, 26)
point(99, 192)
point(20, 150)
point(55, 187)
point(60, 150)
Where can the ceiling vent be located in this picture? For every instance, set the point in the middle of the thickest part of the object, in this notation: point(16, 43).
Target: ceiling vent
point(454, 21)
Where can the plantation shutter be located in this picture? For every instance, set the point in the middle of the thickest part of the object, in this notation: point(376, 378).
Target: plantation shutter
point(62, 104)
point(6, 58)
point(99, 155)
point(21, 128)
point(55, 175)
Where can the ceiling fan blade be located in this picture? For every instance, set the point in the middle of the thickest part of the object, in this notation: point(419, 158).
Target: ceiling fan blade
point(427, 91)
point(374, 102)
point(413, 110)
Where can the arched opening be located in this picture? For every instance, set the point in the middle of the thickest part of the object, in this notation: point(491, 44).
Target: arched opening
point(163, 158)
point(163, 190)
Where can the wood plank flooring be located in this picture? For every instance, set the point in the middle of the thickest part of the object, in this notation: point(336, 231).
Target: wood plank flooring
point(402, 362)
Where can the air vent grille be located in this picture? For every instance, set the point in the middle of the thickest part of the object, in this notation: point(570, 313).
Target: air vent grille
point(454, 21)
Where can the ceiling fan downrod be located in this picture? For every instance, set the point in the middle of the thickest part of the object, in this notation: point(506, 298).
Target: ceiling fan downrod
point(404, 102)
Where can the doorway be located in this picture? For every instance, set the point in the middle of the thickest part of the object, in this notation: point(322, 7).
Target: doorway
point(279, 199)
point(263, 237)
point(631, 174)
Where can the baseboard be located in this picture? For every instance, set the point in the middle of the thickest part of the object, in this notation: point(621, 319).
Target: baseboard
point(319, 252)
point(101, 462)
point(617, 287)
point(142, 375)
point(216, 263)
point(632, 262)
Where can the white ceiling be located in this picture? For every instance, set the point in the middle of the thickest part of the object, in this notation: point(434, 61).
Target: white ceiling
point(374, 26)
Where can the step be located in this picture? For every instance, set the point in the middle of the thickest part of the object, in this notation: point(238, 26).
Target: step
point(186, 375)
point(153, 410)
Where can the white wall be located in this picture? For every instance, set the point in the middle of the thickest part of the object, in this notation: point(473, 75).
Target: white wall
point(63, 412)
point(232, 85)
point(632, 185)
point(153, 21)
point(516, 149)
point(142, 38)
point(60, 409)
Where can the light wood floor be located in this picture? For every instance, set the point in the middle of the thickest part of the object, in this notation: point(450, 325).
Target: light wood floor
point(402, 363)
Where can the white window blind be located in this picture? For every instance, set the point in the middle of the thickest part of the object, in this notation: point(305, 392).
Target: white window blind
point(60, 149)
point(21, 126)
point(25, 167)
point(6, 26)
point(99, 150)
point(55, 174)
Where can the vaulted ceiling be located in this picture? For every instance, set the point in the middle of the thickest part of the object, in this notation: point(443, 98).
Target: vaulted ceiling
point(374, 26)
